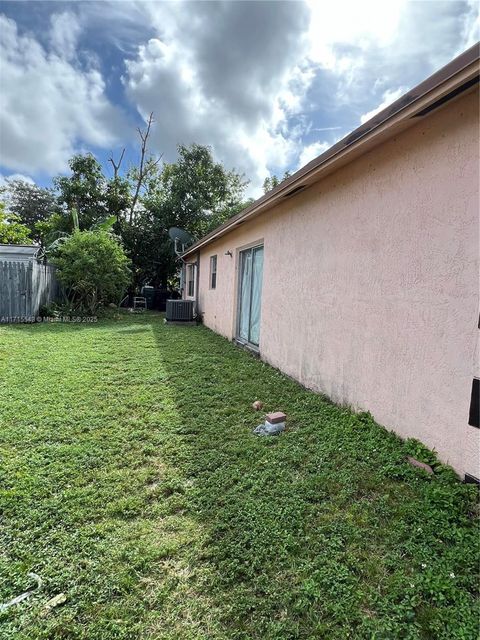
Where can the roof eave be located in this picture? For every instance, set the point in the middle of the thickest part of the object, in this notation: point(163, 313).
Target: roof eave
point(383, 125)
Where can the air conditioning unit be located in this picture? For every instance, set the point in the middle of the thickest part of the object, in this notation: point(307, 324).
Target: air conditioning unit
point(179, 310)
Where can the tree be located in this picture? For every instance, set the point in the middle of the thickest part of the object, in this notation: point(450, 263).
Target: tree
point(118, 189)
point(31, 204)
point(56, 226)
point(150, 249)
point(12, 231)
point(273, 181)
point(86, 190)
point(194, 193)
point(147, 167)
point(93, 268)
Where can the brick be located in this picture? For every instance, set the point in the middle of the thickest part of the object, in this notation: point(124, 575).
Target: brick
point(276, 417)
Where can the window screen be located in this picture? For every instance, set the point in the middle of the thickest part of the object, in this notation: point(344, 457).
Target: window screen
point(190, 280)
point(213, 272)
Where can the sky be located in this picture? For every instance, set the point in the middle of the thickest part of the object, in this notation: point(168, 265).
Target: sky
point(267, 85)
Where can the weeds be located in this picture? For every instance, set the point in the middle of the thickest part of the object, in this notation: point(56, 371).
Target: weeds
point(132, 483)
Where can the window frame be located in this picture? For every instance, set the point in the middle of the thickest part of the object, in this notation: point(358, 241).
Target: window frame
point(190, 280)
point(213, 272)
point(241, 251)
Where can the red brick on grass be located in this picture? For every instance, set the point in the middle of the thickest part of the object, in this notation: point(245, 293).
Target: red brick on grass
point(276, 417)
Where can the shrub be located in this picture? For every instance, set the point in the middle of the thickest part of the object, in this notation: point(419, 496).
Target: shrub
point(93, 269)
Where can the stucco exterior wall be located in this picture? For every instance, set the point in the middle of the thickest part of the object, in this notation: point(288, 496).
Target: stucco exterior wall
point(370, 285)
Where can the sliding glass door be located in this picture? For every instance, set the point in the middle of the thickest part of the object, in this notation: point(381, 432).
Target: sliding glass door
point(250, 295)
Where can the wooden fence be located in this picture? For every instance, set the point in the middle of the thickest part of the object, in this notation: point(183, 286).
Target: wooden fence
point(24, 287)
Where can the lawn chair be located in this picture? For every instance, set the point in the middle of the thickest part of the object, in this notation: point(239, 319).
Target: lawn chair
point(139, 304)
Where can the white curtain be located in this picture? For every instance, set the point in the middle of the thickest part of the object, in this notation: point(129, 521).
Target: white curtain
point(245, 292)
point(256, 295)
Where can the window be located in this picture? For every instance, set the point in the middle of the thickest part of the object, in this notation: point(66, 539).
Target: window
point(190, 280)
point(213, 272)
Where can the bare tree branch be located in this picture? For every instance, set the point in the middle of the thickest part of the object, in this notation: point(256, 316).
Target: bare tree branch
point(144, 167)
point(116, 165)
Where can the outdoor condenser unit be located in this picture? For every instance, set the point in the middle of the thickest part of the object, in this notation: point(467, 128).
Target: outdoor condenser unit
point(179, 310)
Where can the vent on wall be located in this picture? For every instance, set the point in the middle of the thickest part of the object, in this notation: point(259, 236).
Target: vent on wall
point(474, 417)
point(295, 190)
point(469, 479)
point(449, 96)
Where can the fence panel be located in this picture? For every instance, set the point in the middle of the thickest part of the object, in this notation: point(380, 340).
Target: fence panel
point(24, 287)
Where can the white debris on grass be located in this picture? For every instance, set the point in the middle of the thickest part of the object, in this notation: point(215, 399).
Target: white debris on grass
point(25, 595)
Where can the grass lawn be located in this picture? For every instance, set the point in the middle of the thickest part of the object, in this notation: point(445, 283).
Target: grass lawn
point(132, 483)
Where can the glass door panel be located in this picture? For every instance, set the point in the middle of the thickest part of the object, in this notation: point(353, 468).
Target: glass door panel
point(250, 295)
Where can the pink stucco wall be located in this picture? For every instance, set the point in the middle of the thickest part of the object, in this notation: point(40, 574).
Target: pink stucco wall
point(370, 289)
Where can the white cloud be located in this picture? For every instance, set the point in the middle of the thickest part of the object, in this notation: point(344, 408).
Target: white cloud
point(311, 151)
point(253, 80)
point(237, 75)
point(354, 23)
point(226, 78)
point(64, 32)
point(388, 97)
point(370, 53)
point(471, 26)
point(48, 103)
point(4, 179)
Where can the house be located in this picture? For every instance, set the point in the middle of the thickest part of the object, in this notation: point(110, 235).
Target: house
point(358, 275)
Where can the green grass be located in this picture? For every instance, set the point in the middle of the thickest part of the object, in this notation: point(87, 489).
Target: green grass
point(130, 481)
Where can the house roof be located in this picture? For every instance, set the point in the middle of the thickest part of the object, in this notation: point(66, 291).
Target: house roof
point(459, 75)
point(18, 251)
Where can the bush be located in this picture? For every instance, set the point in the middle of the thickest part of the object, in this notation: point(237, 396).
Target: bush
point(93, 269)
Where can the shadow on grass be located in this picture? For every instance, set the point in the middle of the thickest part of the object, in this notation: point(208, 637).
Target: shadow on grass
point(139, 489)
point(323, 532)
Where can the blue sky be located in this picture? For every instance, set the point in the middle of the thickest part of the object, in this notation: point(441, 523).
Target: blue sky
point(268, 85)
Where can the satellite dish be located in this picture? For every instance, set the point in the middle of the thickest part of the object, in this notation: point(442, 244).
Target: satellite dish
point(181, 238)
